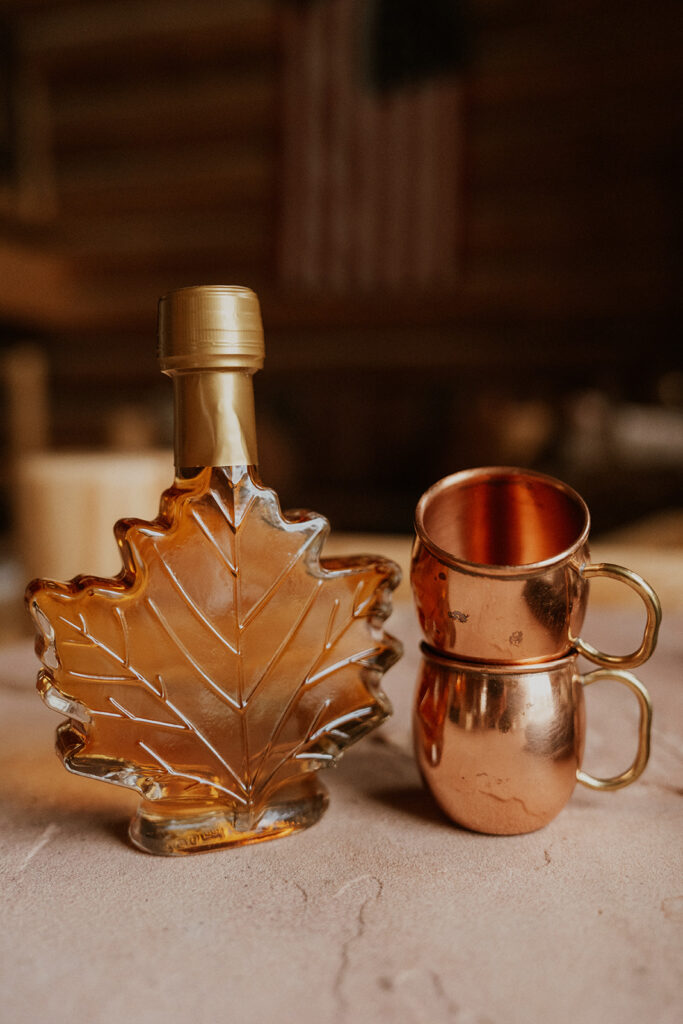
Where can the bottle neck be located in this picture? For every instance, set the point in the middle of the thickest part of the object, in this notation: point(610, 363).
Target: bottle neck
point(214, 418)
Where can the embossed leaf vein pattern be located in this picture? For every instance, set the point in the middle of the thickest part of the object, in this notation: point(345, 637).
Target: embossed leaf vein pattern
point(226, 659)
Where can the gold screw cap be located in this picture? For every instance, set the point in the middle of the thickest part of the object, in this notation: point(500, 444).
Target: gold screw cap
point(210, 327)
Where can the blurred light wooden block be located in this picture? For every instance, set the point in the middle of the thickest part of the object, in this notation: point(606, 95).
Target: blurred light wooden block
point(68, 503)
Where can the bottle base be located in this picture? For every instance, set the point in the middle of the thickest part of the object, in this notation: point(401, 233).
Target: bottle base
point(174, 831)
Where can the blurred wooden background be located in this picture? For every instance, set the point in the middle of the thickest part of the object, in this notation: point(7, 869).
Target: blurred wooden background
point(498, 236)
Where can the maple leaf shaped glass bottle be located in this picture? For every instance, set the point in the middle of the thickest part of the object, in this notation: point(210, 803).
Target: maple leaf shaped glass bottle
point(227, 662)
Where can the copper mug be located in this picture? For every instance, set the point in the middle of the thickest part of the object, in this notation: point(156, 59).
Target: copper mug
point(500, 748)
point(501, 567)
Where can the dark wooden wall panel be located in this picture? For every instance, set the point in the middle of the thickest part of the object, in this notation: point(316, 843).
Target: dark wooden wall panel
point(152, 154)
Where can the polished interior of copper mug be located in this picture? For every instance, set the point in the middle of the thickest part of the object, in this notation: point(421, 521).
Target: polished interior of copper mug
point(503, 519)
point(500, 570)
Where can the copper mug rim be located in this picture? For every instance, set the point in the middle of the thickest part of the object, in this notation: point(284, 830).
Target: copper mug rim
point(484, 537)
point(495, 668)
point(483, 474)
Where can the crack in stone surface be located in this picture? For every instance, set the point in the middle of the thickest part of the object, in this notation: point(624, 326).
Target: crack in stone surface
point(359, 931)
point(450, 1005)
point(425, 1005)
point(304, 894)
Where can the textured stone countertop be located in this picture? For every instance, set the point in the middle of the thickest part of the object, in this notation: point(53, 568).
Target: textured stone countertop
point(383, 911)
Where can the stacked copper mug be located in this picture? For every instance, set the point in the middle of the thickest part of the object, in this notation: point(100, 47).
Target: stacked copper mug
point(500, 574)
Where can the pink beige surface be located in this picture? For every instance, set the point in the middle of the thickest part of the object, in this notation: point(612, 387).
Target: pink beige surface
point(383, 911)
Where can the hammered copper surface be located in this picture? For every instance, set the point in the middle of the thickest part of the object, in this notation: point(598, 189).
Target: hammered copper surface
point(500, 570)
point(501, 749)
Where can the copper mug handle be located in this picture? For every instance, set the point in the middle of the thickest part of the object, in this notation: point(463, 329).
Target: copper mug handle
point(652, 607)
point(644, 727)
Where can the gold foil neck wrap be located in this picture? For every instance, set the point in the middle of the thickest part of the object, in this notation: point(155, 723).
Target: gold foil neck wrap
point(210, 327)
point(214, 419)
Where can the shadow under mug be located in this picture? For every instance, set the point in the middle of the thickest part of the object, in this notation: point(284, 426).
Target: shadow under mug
point(500, 749)
point(500, 570)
